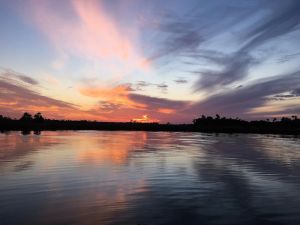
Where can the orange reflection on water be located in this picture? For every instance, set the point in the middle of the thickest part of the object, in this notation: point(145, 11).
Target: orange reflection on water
point(111, 148)
point(16, 144)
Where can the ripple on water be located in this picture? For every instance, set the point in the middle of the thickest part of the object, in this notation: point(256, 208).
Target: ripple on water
point(96, 177)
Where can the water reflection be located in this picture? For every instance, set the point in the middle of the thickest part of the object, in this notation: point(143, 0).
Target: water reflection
point(114, 147)
point(149, 178)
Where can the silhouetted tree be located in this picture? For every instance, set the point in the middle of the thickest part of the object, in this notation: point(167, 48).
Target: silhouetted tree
point(26, 117)
point(289, 125)
point(38, 117)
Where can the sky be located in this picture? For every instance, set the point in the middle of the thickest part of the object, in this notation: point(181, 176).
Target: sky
point(150, 60)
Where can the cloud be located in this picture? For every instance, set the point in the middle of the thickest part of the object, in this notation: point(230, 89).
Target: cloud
point(154, 103)
point(163, 87)
point(145, 119)
point(106, 92)
point(251, 25)
point(84, 29)
point(123, 96)
point(187, 40)
point(283, 18)
point(296, 92)
point(116, 96)
point(8, 73)
point(234, 71)
point(181, 81)
point(16, 99)
point(130, 106)
point(293, 94)
point(106, 106)
point(142, 85)
point(184, 31)
point(289, 57)
point(242, 101)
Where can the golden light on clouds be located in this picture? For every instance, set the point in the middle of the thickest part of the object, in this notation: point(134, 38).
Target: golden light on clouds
point(145, 119)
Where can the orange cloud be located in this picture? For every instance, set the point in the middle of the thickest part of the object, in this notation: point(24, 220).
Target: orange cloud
point(96, 92)
point(145, 119)
point(166, 110)
point(116, 95)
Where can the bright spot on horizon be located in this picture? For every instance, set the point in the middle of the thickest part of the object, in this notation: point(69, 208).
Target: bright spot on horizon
point(145, 119)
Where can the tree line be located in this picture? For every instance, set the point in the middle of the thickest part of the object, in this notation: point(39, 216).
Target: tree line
point(218, 124)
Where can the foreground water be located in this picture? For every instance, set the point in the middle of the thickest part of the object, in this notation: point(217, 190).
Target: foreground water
point(149, 178)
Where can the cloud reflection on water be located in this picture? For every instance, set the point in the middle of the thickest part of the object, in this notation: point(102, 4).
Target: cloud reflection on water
point(149, 177)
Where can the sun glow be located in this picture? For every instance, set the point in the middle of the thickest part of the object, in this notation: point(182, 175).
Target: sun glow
point(145, 119)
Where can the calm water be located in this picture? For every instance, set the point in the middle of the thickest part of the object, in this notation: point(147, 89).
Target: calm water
point(149, 178)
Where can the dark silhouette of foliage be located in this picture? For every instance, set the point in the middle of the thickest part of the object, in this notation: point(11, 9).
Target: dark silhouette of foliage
point(204, 123)
point(26, 117)
point(38, 117)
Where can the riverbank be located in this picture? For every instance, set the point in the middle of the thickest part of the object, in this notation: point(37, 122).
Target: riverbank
point(246, 127)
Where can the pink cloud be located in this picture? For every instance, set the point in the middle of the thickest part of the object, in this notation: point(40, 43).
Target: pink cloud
point(87, 31)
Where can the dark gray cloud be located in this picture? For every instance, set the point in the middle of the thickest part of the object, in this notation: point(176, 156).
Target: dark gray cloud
point(107, 106)
point(296, 92)
point(289, 57)
point(281, 97)
point(181, 81)
point(212, 56)
point(240, 101)
point(154, 103)
point(291, 94)
point(234, 71)
point(8, 73)
point(163, 87)
point(142, 85)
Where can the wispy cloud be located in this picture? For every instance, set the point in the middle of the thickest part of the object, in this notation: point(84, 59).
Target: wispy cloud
point(253, 25)
point(181, 81)
point(241, 101)
point(8, 73)
point(154, 103)
point(284, 17)
point(16, 98)
point(235, 70)
point(86, 30)
point(114, 96)
point(142, 85)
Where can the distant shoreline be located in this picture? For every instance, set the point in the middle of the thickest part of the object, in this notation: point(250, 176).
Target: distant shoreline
point(204, 123)
point(55, 125)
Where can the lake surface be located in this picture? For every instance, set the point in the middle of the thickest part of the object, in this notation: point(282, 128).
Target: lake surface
point(150, 178)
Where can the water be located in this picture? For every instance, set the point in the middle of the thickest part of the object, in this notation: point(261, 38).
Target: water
point(149, 178)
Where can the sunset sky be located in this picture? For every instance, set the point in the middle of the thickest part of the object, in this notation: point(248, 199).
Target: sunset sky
point(150, 60)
